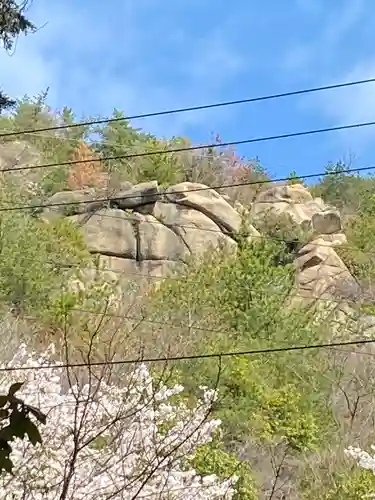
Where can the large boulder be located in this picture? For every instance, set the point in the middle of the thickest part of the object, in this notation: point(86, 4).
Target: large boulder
point(206, 201)
point(296, 203)
point(146, 234)
point(108, 232)
point(290, 193)
point(136, 196)
point(319, 272)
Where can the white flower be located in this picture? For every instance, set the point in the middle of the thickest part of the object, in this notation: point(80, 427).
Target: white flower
point(107, 441)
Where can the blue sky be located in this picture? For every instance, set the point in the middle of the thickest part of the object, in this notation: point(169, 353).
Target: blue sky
point(149, 55)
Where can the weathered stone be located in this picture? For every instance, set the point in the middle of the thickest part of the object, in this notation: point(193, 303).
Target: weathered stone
point(320, 273)
point(317, 253)
point(140, 194)
point(335, 239)
point(20, 155)
point(71, 203)
point(121, 267)
point(296, 203)
point(156, 269)
point(197, 231)
point(164, 231)
point(158, 242)
point(293, 193)
point(206, 201)
point(327, 222)
point(274, 211)
point(109, 232)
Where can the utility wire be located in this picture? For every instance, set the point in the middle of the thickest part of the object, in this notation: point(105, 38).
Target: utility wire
point(193, 326)
point(171, 192)
point(192, 108)
point(219, 355)
point(67, 265)
point(210, 229)
point(194, 148)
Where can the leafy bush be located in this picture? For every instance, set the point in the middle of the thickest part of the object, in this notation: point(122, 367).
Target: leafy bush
point(359, 254)
point(352, 484)
point(56, 146)
point(205, 166)
point(236, 303)
point(211, 458)
point(283, 228)
point(214, 167)
point(35, 257)
point(341, 188)
point(119, 138)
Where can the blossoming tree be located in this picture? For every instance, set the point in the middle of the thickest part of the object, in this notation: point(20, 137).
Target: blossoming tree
point(103, 441)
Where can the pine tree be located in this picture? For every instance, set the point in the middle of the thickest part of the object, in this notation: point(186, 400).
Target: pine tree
point(12, 23)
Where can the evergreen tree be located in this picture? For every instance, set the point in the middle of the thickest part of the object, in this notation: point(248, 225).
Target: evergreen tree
point(12, 23)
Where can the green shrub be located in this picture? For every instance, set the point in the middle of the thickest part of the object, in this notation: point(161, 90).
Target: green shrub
point(345, 190)
point(240, 300)
point(120, 138)
point(354, 484)
point(35, 257)
point(211, 458)
point(358, 254)
point(55, 146)
point(293, 178)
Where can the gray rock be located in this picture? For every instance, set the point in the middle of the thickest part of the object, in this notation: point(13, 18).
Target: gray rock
point(138, 195)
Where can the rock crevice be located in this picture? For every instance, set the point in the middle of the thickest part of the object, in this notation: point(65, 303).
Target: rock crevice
point(152, 231)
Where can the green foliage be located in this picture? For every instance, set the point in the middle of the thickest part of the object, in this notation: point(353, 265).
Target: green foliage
point(240, 300)
point(166, 168)
point(211, 458)
point(13, 23)
point(207, 166)
point(285, 413)
point(341, 188)
point(120, 138)
point(15, 414)
point(35, 258)
point(353, 484)
point(293, 178)
point(358, 254)
point(243, 285)
point(56, 146)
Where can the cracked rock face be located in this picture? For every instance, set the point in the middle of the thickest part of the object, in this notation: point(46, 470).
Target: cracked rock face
point(148, 233)
point(149, 230)
point(166, 227)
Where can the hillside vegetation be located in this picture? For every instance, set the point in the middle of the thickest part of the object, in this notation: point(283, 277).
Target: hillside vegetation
point(287, 416)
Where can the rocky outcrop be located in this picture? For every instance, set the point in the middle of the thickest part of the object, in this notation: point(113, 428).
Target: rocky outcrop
point(295, 201)
point(146, 233)
point(15, 157)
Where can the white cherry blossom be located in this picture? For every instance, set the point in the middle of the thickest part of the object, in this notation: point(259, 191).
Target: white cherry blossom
point(104, 442)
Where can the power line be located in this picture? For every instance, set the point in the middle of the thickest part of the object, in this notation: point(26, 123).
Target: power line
point(217, 231)
point(192, 108)
point(312, 243)
point(194, 148)
point(218, 355)
point(193, 326)
point(153, 195)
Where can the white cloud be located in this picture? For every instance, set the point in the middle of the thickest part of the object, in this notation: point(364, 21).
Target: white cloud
point(351, 104)
point(346, 106)
point(25, 72)
point(92, 65)
point(320, 46)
